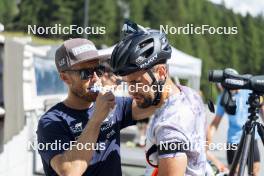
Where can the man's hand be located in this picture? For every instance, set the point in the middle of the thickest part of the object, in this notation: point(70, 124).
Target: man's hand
point(75, 162)
point(173, 166)
point(104, 103)
point(219, 165)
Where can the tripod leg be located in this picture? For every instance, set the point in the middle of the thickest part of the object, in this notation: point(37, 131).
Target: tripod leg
point(261, 132)
point(251, 152)
point(237, 155)
point(244, 156)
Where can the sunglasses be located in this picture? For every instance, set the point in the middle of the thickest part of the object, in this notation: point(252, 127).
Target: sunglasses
point(89, 72)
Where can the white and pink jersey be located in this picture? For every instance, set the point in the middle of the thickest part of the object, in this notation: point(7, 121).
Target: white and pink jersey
point(181, 119)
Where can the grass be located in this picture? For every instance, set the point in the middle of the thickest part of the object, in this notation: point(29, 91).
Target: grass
point(35, 40)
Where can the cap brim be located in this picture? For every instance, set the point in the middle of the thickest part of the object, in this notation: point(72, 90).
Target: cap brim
point(99, 57)
point(104, 56)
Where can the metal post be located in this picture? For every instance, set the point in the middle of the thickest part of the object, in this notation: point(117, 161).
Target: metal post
point(85, 22)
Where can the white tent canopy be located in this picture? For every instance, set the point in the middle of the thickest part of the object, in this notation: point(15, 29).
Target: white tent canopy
point(181, 66)
point(184, 66)
point(2, 28)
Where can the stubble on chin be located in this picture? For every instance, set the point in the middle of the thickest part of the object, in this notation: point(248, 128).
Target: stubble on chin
point(87, 96)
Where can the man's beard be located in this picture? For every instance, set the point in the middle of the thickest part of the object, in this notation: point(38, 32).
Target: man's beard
point(147, 102)
point(86, 96)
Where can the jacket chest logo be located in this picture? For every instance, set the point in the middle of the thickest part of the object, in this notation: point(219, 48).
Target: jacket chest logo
point(77, 128)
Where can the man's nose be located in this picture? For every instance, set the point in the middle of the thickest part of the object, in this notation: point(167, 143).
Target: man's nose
point(132, 91)
point(95, 78)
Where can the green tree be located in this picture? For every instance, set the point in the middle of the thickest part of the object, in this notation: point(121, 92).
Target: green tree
point(136, 11)
point(153, 14)
point(229, 45)
point(237, 44)
point(8, 10)
point(260, 26)
point(178, 17)
point(242, 51)
point(200, 47)
point(44, 13)
point(103, 14)
point(252, 46)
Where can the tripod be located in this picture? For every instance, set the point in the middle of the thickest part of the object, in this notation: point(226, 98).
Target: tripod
point(245, 152)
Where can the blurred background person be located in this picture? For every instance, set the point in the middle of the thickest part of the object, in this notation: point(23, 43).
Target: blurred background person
point(142, 129)
point(211, 157)
point(236, 110)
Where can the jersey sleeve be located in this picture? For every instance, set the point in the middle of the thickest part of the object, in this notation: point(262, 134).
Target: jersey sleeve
point(171, 141)
point(125, 112)
point(52, 137)
point(180, 132)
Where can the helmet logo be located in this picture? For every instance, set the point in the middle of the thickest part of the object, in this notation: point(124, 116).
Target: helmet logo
point(163, 40)
point(140, 59)
point(146, 64)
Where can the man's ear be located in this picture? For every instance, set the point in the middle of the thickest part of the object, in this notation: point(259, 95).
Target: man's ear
point(162, 71)
point(65, 78)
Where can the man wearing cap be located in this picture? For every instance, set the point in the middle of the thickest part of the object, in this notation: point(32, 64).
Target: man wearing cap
point(80, 136)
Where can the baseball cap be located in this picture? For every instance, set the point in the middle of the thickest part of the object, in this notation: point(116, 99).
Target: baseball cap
point(75, 51)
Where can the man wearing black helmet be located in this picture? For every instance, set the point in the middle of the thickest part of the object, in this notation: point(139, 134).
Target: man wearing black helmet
point(176, 135)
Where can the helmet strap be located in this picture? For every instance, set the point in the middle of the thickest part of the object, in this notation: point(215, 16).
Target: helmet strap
point(158, 85)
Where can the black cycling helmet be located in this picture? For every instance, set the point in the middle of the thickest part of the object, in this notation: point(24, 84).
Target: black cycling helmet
point(140, 50)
